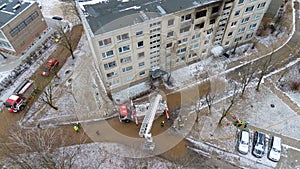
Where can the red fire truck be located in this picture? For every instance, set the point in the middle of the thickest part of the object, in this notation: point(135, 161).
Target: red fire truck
point(18, 100)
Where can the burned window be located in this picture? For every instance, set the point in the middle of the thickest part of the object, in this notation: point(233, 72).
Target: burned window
point(215, 10)
point(201, 14)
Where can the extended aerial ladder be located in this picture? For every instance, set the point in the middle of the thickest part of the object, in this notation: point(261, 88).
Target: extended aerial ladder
point(148, 121)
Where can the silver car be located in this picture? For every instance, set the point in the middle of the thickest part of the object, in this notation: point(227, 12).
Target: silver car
point(243, 142)
point(275, 149)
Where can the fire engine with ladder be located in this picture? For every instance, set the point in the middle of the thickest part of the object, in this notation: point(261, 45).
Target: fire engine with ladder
point(146, 113)
point(18, 100)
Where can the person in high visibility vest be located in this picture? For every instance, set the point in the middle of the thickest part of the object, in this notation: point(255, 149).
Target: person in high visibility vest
point(162, 123)
point(76, 128)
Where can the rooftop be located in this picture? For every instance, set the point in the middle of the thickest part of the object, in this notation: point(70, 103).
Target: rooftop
point(114, 14)
point(9, 9)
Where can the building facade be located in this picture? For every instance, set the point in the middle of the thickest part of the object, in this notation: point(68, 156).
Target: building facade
point(20, 23)
point(129, 39)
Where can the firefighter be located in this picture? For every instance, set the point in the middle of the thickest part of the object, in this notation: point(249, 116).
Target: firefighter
point(162, 123)
point(246, 124)
point(240, 123)
point(76, 128)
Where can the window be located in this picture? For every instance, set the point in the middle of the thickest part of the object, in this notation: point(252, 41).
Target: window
point(182, 50)
point(170, 34)
point(128, 78)
point(252, 26)
point(142, 73)
point(154, 30)
point(234, 23)
point(225, 8)
point(192, 55)
point(212, 21)
point(249, 9)
point(199, 26)
point(140, 44)
point(141, 55)
point(249, 35)
point(209, 31)
point(194, 46)
point(196, 36)
point(141, 64)
point(154, 24)
point(238, 39)
point(215, 10)
point(200, 14)
point(256, 16)
point(125, 60)
point(227, 43)
point(108, 54)
point(114, 82)
point(154, 36)
point(21, 26)
point(170, 22)
point(204, 51)
point(110, 65)
point(155, 51)
point(186, 17)
point(230, 34)
point(104, 42)
point(14, 31)
point(185, 29)
point(155, 42)
point(261, 5)
point(139, 33)
point(111, 74)
point(181, 41)
point(245, 20)
point(153, 47)
point(237, 13)
point(206, 42)
point(169, 45)
point(127, 69)
point(123, 37)
point(241, 1)
point(124, 49)
point(242, 30)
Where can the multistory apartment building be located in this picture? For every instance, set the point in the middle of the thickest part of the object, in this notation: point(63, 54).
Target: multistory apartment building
point(20, 23)
point(128, 39)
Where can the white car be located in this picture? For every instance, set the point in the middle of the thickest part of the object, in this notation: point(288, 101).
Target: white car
point(243, 142)
point(275, 149)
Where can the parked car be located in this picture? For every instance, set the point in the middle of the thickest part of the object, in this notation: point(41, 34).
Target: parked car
point(49, 66)
point(243, 142)
point(274, 149)
point(259, 143)
point(57, 18)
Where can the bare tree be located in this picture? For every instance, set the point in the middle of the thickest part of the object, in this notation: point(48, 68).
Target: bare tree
point(226, 112)
point(247, 77)
point(264, 70)
point(37, 148)
point(209, 99)
point(66, 40)
point(48, 96)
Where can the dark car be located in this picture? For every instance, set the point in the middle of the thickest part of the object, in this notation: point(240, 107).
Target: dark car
point(259, 144)
point(57, 18)
point(49, 66)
